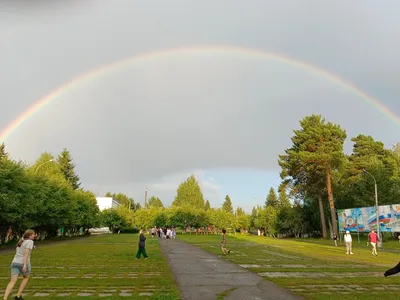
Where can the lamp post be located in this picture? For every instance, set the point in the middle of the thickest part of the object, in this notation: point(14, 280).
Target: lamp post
point(51, 160)
point(378, 230)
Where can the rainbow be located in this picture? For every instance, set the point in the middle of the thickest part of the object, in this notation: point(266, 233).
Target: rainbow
point(192, 50)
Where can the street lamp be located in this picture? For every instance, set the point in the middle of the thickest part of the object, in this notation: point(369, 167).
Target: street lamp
point(51, 160)
point(377, 208)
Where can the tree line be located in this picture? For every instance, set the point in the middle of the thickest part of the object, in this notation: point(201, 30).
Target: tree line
point(45, 196)
point(318, 177)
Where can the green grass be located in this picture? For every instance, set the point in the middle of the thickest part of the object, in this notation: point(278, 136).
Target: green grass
point(96, 265)
point(330, 267)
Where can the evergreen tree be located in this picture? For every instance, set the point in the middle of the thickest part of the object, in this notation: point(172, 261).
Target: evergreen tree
point(68, 169)
point(317, 149)
point(272, 198)
point(207, 206)
point(3, 153)
point(283, 197)
point(189, 193)
point(227, 206)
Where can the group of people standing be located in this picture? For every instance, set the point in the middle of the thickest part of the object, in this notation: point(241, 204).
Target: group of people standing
point(163, 232)
point(373, 239)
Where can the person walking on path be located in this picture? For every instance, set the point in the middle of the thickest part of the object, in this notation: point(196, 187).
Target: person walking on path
point(373, 238)
point(142, 246)
point(21, 264)
point(348, 241)
point(223, 243)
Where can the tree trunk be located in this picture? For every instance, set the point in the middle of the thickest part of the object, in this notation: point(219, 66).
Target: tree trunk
point(322, 217)
point(331, 203)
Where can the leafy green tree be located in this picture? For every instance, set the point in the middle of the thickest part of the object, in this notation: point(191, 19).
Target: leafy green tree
point(223, 219)
point(189, 193)
point(357, 187)
point(117, 218)
point(255, 214)
point(243, 221)
point(272, 199)
point(155, 201)
point(317, 149)
point(123, 199)
point(227, 205)
point(3, 153)
point(47, 167)
point(207, 206)
point(68, 169)
point(240, 211)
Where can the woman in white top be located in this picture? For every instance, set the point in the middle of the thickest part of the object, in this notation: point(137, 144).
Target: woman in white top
point(348, 241)
point(21, 264)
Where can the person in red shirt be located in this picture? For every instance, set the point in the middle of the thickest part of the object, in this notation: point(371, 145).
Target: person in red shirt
point(373, 238)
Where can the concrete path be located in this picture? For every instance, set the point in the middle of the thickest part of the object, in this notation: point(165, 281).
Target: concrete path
point(201, 275)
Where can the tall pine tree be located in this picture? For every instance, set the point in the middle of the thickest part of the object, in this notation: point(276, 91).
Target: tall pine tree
point(68, 169)
point(317, 149)
point(283, 197)
point(207, 206)
point(272, 199)
point(189, 193)
point(227, 206)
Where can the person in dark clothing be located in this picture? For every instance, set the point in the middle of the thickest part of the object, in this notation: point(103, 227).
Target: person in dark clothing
point(392, 271)
point(142, 245)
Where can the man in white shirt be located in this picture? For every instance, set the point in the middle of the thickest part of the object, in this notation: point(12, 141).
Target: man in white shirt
point(348, 241)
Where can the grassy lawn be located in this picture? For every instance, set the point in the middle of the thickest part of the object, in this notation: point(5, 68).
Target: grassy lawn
point(314, 269)
point(101, 267)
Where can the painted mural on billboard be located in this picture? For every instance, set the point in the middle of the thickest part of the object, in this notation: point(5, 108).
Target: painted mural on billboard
point(363, 219)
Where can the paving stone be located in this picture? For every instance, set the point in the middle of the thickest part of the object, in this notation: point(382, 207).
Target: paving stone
point(145, 294)
point(105, 295)
point(125, 294)
point(41, 295)
point(63, 294)
point(84, 294)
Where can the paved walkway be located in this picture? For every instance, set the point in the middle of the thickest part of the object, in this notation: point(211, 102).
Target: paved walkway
point(201, 275)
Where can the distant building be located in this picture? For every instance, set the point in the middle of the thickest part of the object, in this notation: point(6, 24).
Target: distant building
point(106, 202)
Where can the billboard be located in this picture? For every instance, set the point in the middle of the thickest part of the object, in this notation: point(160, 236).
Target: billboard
point(363, 219)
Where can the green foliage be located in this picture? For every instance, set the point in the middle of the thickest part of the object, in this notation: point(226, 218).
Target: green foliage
point(39, 197)
point(272, 199)
point(207, 206)
point(189, 193)
point(155, 201)
point(317, 152)
point(3, 153)
point(240, 211)
point(283, 199)
point(124, 200)
point(227, 205)
point(67, 168)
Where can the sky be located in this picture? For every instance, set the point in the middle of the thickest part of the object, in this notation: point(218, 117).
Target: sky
point(224, 117)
